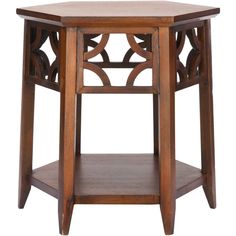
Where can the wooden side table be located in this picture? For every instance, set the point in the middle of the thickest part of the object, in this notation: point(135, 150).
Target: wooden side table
point(162, 29)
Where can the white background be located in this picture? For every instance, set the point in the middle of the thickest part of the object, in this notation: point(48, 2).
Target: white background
point(118, 123)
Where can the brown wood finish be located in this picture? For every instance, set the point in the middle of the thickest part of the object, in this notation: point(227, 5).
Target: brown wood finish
point(136, 71)
point(117, 89)
point(142, 49)
point(206, 116)
point(42, 72)
point(80, 62)
point(188, 72)
point(90, 42)
point(98, 71)
point(188, 26)
point(117, 179)
point(68, 45)
point(162, 29)
point(155, 124)
point(117, 30)
point(154, 46)
point(27, 125)
point(167, 127)
point(98, 49)
point(78, 124)
point(116, 64)
point(93, 14)
point(186, 84)
point(44, 83)
point(137, 48)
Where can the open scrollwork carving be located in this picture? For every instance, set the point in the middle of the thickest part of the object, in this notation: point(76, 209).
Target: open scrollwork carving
point(131, 52)
point(188, 73)
point(142, 48)
point(99, 72)
point(98, 48)
point(136, 47)
point(136, 71)
point(89, 42)
point(144, 44)
point(41, 70)
point(181, 36)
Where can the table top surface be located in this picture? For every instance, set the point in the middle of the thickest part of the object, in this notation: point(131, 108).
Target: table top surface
point(160, 11)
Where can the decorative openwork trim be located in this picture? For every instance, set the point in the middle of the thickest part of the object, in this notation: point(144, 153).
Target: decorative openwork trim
point(143, 49)
point(98, 71)
point(136, 71)
point(136, 47)
point(98, 48)
point(46, 74)
point(130, 52)
point(41, 71)
point(188, 73)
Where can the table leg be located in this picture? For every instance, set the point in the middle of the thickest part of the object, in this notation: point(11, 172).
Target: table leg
point(155, 124)
point(154, 47)
point(68, 45)
point(206, 116)
point(27, 125)
point(167, 128)
point(78, 124)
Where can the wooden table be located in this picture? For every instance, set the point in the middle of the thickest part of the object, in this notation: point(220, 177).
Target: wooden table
point(162, 29)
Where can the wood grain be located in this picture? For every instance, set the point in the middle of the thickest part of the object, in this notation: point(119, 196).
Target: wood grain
point(117, 179)
point(42, 71)
point(117, 89)
point(136, 71)
point(167, 127)
point(68, 46)
point(98, 71)
point(98, 49)
point(206, 116)
point(78, 124)
point(137, 48)
point(154, 46)
point(27, 125)
point(143, 13)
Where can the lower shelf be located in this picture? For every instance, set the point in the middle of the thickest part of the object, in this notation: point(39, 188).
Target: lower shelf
point(117, 179)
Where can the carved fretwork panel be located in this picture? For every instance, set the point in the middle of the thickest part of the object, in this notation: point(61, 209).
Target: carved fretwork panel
point(140, 44)
point(188, 70)
point(43, 71)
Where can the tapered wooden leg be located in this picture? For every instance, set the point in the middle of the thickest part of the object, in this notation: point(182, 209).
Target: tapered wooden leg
point(154, 47)
point(82, 47)
point(67, 126)
point(78, 124)
point(27, 124)
point(155, 124)
point(167, 128)
point(206, 116)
